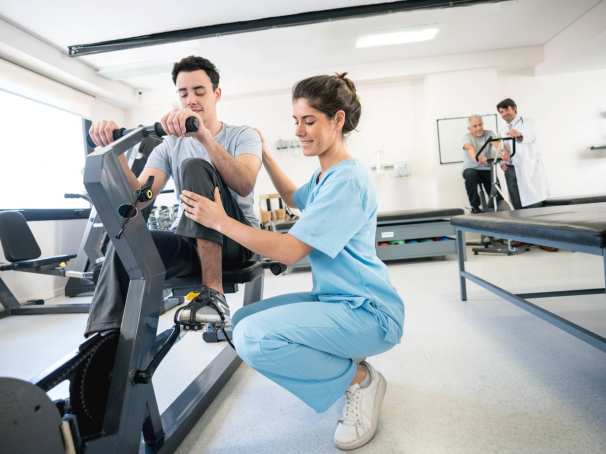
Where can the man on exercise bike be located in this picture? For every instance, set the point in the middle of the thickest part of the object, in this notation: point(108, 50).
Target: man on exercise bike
point(477, 172)
point(217, 155)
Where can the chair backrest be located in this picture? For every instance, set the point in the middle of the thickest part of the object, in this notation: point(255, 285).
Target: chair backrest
point(17, 239)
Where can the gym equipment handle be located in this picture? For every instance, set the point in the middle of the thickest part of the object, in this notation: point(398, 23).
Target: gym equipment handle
point(490, 139)
point(145, 194)
point(191, 125)
point(70, 195)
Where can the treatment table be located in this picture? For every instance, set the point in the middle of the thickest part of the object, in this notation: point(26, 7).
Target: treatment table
point(577, 228)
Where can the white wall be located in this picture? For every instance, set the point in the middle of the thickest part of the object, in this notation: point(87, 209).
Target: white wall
point(54, 237)
point(399, 117)
point(102, 110)
point(570, 115)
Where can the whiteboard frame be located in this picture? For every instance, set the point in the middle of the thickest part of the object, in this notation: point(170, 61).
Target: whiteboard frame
point(496, 120)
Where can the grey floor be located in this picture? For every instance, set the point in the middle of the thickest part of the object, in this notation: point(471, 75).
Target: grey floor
point(475, 377)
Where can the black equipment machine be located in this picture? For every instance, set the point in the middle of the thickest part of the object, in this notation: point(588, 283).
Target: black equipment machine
point(112, 407)
point(493, 245)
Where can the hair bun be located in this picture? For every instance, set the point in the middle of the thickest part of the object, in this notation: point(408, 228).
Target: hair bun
point(329, 94)
point(343, 77)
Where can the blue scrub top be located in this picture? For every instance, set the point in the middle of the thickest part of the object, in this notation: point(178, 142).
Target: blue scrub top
point(339, 223)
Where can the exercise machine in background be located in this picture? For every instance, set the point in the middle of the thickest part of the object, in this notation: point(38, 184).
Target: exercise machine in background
point(489, 245)
point(24, 255)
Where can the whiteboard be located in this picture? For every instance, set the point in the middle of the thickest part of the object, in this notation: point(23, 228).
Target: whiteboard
point(451, 132)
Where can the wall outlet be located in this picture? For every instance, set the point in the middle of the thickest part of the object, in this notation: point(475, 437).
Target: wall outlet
point(401, 169)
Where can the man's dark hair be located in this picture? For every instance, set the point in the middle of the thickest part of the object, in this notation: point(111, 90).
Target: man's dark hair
point(193, 63)
point(507, 102)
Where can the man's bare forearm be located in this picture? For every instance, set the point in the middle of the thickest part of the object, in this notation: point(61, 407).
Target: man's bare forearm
point(235, 174)
point(471, 151)
point(133, 182)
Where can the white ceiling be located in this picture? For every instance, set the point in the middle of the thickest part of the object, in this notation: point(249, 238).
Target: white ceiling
point(77, 22)
point(311, 48)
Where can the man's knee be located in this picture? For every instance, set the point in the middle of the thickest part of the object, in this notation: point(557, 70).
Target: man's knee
point(195, 168)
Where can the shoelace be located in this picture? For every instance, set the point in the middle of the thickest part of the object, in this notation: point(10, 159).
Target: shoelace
point(351, 412)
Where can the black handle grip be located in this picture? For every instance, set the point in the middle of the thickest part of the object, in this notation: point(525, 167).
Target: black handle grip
point(116, 134)
point(191, 125)
point(70, 195)
point(490, 139)
point(120, 132)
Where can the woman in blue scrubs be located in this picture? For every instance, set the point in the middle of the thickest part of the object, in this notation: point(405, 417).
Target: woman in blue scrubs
point(314, 344)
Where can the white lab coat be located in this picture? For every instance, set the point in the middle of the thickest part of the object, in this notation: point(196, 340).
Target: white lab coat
point(528, 163)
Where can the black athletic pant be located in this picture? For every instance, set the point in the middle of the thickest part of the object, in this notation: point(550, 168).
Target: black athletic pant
point(177, 249)
point(473, 178)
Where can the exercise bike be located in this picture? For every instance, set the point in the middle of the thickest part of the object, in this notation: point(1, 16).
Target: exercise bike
point(83, 271)
point(112, 405)
point(493, 246)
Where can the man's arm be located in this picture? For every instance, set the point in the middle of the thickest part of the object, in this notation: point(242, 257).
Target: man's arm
point(101, 133)
point(160, 179)
point(240, 174)
point(471, 151)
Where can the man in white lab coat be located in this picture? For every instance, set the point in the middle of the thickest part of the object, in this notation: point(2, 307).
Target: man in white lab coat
point(525, 172)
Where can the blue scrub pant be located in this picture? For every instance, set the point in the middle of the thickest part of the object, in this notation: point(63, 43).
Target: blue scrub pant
point(307, 346)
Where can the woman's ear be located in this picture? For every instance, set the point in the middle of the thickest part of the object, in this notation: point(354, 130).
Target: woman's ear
point(340, 119)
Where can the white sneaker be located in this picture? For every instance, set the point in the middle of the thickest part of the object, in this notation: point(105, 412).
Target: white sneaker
point(360, 417)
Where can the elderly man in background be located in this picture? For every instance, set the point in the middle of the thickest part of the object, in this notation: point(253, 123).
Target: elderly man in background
point(476, 172)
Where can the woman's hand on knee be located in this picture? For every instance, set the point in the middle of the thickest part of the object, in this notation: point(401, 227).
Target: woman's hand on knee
point(209, 213)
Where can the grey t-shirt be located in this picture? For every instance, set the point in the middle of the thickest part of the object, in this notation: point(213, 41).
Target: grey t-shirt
point(477, 143)
point(237, 140)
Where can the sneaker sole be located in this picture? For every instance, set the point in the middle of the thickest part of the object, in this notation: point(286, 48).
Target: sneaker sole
point(381, 388)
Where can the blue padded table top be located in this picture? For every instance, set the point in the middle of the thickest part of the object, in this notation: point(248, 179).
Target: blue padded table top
point(394, 216)
point(583, 224)
point(575, 200)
